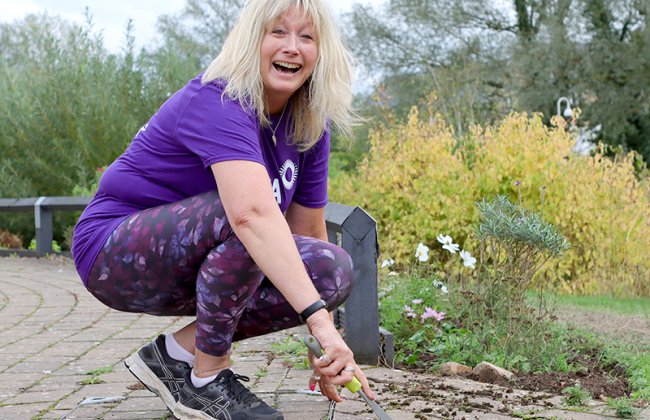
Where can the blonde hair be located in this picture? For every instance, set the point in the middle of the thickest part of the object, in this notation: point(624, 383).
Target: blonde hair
point(327, 93)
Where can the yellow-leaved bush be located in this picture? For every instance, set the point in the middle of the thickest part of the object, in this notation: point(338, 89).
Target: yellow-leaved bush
point(418, 181)
point(413, 185)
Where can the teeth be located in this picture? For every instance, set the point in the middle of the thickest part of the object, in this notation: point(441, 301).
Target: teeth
point(291, 66)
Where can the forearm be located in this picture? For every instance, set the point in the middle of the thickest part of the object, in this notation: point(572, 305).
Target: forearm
point(259, 224)
point(268, 239)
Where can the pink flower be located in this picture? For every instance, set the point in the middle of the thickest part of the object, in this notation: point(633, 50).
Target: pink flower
point(409, 311)
point(416, 301)
point(432, 313)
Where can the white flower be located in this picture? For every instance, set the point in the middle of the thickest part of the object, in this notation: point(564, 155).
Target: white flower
point(422, 252)
point(448, 243)
point(468, 260)
point(440, 285)
point(387, 263)
point(393, 273)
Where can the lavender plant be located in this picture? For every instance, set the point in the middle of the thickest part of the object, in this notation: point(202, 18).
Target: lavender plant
point(515, 242)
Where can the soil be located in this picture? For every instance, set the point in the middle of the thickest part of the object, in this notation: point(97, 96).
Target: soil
point(601, 382)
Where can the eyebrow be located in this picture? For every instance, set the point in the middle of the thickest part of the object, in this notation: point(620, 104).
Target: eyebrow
point(309, 22)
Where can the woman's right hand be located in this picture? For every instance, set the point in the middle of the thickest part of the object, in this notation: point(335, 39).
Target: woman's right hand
point(336, 366)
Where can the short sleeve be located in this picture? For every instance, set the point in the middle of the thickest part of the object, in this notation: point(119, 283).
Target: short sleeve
point(217, 129)
point(312, 182)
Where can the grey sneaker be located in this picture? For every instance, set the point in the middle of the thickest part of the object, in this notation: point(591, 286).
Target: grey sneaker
point(163, 375)
point(225, 398)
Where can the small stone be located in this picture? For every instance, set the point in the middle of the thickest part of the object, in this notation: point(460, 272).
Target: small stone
point(489, 373)
point(454, 369)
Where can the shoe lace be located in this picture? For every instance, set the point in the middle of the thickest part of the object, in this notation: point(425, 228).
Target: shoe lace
point(239, 391)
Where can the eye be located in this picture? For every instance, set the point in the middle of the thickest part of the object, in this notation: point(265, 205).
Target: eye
point(307, 37)
point(278, 31)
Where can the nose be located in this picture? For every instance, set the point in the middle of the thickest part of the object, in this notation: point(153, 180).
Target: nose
point(291, 44)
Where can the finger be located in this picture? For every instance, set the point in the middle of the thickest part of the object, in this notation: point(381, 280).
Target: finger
point(323, 361)
point(329, 366)
point(365, 385)
point(343, 377)
point(313, 380)
point(329, 390)
point(332, 365)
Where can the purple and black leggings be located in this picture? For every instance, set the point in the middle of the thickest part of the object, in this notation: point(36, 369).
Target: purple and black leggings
point(184, 259)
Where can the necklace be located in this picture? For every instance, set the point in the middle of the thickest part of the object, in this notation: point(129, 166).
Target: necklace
point(273, 130)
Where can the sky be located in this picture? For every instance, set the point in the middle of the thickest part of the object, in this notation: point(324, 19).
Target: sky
point(112, 16)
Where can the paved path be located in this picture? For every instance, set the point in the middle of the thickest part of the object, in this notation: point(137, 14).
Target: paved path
point(61, 354)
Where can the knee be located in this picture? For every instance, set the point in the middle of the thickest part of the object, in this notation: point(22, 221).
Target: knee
point(333, 273)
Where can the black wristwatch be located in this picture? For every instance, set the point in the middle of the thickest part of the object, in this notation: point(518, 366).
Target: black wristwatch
point(309, 311)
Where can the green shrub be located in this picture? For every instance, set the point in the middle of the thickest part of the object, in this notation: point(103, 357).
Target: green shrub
point(70, 106)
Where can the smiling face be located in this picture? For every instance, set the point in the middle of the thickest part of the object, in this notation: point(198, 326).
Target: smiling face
point(288, 56)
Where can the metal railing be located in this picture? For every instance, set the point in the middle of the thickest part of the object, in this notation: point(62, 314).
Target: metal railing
point(349, 227)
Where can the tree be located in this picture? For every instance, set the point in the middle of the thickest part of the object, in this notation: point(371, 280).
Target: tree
point(420, 46)
point(618, 71)
point(199, 30)
point(68, 106)
point(519, 55)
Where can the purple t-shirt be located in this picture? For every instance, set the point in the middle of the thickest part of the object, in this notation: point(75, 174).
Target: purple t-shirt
point(169, 159)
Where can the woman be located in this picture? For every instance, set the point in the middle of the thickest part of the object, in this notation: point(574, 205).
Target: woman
point(216, 210)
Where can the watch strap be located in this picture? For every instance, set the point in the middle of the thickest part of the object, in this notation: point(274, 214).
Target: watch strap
point(311, 309)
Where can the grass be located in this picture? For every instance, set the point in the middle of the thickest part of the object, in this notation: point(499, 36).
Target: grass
point(624, 408)
point(99, 371)
point(625, 306)
point(95, 373)
point(576, 395)
point(292, 351)
point(92, 381)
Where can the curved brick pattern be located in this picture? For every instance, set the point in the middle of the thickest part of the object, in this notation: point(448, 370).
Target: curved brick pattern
point(53, 333)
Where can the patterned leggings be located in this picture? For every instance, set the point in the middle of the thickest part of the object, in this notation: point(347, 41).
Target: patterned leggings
point(184, 259)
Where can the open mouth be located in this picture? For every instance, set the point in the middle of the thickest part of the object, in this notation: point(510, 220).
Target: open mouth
point(285, 67)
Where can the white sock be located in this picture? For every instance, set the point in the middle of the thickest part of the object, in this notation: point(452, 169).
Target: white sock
point(176, 351)
point(201, 382)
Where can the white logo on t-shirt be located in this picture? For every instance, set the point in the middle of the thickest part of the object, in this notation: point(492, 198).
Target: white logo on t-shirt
point(288, 174)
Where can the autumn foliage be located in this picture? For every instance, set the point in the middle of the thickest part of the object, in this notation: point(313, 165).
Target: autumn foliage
point(418, 181)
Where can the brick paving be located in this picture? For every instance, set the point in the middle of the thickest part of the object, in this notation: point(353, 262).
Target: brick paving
point(62, 352)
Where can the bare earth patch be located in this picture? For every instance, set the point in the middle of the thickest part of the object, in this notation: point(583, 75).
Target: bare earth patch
point(525, 395)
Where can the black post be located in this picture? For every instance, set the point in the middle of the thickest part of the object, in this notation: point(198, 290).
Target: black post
point(43, 222)
point(356, 232)
point(359, 238)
